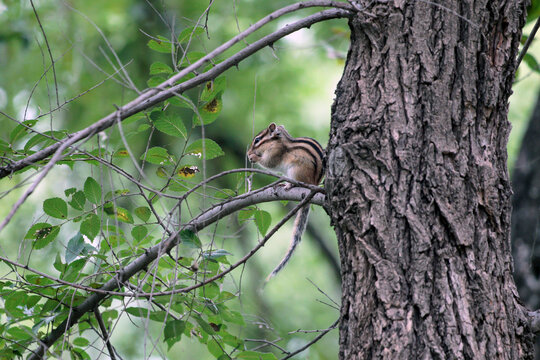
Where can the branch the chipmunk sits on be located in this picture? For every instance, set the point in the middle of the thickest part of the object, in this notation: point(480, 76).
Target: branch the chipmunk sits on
point(301, 159)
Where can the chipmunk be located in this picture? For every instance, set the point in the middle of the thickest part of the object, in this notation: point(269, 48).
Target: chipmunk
point(298, 158)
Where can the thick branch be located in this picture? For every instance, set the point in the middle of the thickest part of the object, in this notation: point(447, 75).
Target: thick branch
point(206, 218)
point(162, 92)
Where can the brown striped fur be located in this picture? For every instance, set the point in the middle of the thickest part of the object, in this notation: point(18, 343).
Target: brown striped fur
point(298, 158)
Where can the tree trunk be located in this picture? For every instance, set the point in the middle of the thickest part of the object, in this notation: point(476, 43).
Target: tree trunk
point(417, 182)
point(525, 217)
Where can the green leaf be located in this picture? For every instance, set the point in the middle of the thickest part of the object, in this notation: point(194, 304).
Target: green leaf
point(190, 239)
point(190, 32)
point(204, 325)
point(21, 130)
point(137, 311)
point(155, 81)
point(121, 153)
point(214, 348)
point(74, 248)
point(159, 156)
point(263, 219)
point(181, 102)
point(531, 62)
point(78, 200)
point(173, 331)
point(142, 213)
point(213, 88)
point(81, 342)
point(211, 148)
point(43, 241)
point(161, 44)
point(210, 290)
point(160, 68)
point(121, 214)
point(4, 147)
point(224, 194)
point(56, 208)
point(92, 190)
point(209, 112)
point(190, 58)
point(245, 214)
point(91, 226)
point(170, 124)
point(139, 232)
point(43, 138)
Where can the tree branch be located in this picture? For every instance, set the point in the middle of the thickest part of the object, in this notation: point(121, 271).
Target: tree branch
point(104, 333)
point(317, 338)
point(534, 321)
point(206, 218)
point(167, 89)
point(528, 42)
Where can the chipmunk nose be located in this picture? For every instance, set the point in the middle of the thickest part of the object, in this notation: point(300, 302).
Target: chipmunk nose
point(252, 157)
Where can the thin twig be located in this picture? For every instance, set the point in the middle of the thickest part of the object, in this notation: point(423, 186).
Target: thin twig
point(267, 342)
point(104, 333)
point(528, 42)
point(49, 50)
point(317, 338)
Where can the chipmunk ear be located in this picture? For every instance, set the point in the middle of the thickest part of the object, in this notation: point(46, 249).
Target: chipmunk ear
point(272, 127)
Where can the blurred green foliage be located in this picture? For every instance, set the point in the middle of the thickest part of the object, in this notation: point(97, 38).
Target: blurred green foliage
point(291, 84)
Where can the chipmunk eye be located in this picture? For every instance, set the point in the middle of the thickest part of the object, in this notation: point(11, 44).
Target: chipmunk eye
point(257, 139)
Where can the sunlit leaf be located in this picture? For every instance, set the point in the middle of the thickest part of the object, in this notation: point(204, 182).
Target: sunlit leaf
point(161, 44)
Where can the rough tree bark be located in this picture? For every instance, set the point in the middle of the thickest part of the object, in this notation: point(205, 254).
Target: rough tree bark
point(417, 182)
point(525, 217)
